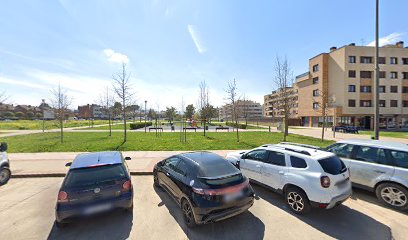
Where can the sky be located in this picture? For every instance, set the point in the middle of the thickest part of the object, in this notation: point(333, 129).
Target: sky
point(171, 46)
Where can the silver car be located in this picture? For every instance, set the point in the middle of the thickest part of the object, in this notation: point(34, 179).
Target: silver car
point(5, 172)
point(379, 166)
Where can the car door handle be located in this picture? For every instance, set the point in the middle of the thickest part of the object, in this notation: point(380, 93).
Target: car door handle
point(281, 172)
point(258, 166)
point(168, 174)
point(379, 171)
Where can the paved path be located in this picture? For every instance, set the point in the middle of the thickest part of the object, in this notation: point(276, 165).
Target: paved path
point(53, 164)
point(27, 212)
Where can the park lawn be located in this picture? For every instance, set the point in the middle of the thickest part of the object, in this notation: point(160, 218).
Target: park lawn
point(387, 134)
point(140, 141)
point(38, 124)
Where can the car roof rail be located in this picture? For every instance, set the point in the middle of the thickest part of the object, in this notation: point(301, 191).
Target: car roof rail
point(292, 150)
point(300, 145)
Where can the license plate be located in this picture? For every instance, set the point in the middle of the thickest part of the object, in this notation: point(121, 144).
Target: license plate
point(233, 196)
point(97, 209)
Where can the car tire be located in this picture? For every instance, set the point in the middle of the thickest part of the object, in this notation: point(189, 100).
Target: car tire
point(156, 180)
point(188, 214)
point(5, 175)
point(60, 224)
point(297, 201)
point(393, 195)
point(130, 209)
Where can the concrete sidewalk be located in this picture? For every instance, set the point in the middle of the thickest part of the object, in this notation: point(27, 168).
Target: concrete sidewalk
point(53, 164)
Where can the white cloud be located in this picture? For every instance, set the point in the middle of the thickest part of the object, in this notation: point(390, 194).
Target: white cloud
point(115, 56)
point(390, 39)
point(195, 35)
point(22, 83)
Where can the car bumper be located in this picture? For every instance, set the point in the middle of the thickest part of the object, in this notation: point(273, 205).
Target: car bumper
point(67, 213)
point(335, 201)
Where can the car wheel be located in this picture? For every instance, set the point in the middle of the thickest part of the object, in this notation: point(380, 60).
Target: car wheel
point(5, 174)
point(393, 195)
point(156, 180)
point(188, 214)
point(297, 201)
point(60, 224)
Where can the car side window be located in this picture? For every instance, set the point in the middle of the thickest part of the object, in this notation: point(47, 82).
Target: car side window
point(400, 158)
point(182, 168)
point(276, 158)
point(297, 162)
point(370, 154)
point(171, 163)
point(257, 155)
point(341, 150)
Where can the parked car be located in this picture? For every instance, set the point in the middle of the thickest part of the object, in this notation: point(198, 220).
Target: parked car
point(5, 172)
point(379, 166)
point(95, 183)
point(306, 176)
point(206, 186)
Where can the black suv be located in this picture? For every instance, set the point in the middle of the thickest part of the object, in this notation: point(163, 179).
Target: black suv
point(207, 187)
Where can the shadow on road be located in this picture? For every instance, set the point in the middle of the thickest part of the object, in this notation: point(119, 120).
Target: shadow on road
point(115, 225)
point(243, 226)
point(340, 222)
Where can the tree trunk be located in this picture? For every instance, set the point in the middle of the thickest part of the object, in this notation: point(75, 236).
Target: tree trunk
point(62, 129)
point(124, 121)
point(110, 125)
point(323, 125)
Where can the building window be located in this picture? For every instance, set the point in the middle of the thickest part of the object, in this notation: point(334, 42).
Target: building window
point(315, 80)
point(365, 74)
point(404, 89)
point(365, 59)
point(315, 68)
point(352, 88)
point(382, 74)
point(394, 89)
point(381, 89)
point(315, 105)
point(365, 89)
point(381, 60)
point(365, 103)
point(393, 75)
point(316, 93)
point(381, 103)
point(405, 75)
point(352, 59)
point(352, 74)
point(393, 60)
point(394, 103)
point(351, 103)
point(404, 103)
point(405, 61)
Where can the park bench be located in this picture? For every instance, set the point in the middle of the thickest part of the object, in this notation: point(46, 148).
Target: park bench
point(222, 128)
point(190, 128)
point(156, 128)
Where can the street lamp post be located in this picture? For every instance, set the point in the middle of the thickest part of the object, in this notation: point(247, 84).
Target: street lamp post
point(145, 114)
point(377, 78)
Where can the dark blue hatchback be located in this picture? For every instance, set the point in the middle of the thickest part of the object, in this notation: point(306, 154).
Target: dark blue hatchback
point(95, 183)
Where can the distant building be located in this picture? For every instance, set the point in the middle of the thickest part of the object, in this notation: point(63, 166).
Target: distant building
point(91, 111)
point(273, 103)
point(247, 109)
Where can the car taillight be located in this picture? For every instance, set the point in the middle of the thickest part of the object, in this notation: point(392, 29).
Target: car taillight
point(62, 196)
point(221, 191)
point(325, 181)
point(127, 185)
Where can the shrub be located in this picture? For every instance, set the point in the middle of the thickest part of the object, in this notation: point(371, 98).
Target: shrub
point(240, 125)
point(138, 125)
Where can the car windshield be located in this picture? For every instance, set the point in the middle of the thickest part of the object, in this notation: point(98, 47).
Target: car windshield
point(332, 165)
point(95, 175)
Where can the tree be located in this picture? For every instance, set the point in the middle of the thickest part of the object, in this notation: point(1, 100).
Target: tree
point(38, 115)
point(3, 97)
point(9, 114)
point(107, 101)
point(60, 102)
point(245, 110)
point(170, 113)
point(284, 83)
point(151, 114)
point(190, 110)
point(203, 102)
point(19, 115)
point(30, 115)
point(324, 105)
point(122, 88)
point(232, 96)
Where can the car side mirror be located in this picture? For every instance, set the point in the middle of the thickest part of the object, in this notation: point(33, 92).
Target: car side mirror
point(68, 164)
point(3, 147)
point(128, 158)
point(243, 156)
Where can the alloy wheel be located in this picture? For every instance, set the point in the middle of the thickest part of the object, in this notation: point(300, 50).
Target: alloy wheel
point(393, 196)
point(4, 175)
point(295, 201)
point(188, 213)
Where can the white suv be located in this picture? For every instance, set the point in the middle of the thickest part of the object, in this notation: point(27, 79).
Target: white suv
point(5, 172)
point(306, 176)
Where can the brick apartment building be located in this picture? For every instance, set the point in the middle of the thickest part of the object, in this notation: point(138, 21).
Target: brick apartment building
point(91, 111)
point(246, 109)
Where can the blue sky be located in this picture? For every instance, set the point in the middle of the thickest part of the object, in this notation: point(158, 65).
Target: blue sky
point(170, 46)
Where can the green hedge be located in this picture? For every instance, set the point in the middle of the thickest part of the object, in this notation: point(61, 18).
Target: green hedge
point(240, 125)
point(138, 125)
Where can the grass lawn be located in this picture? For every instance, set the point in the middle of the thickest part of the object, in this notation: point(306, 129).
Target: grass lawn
point(387, 134)
point(38, 124)
point(139, 141)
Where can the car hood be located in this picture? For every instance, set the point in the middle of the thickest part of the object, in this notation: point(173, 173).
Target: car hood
point(234, 156)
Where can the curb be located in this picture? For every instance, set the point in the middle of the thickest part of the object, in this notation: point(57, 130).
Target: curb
point(45, 175)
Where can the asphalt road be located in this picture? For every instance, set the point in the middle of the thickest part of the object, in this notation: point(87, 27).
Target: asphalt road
point(27, 212)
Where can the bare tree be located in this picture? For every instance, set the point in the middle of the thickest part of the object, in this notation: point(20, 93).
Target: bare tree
point(107, 101)
point(232, 96)
point(325, 104)
point(60, 101)
point(3, 97)
point(245, 109)
point(122, 88)
point(284, 82)
point(203, 102)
